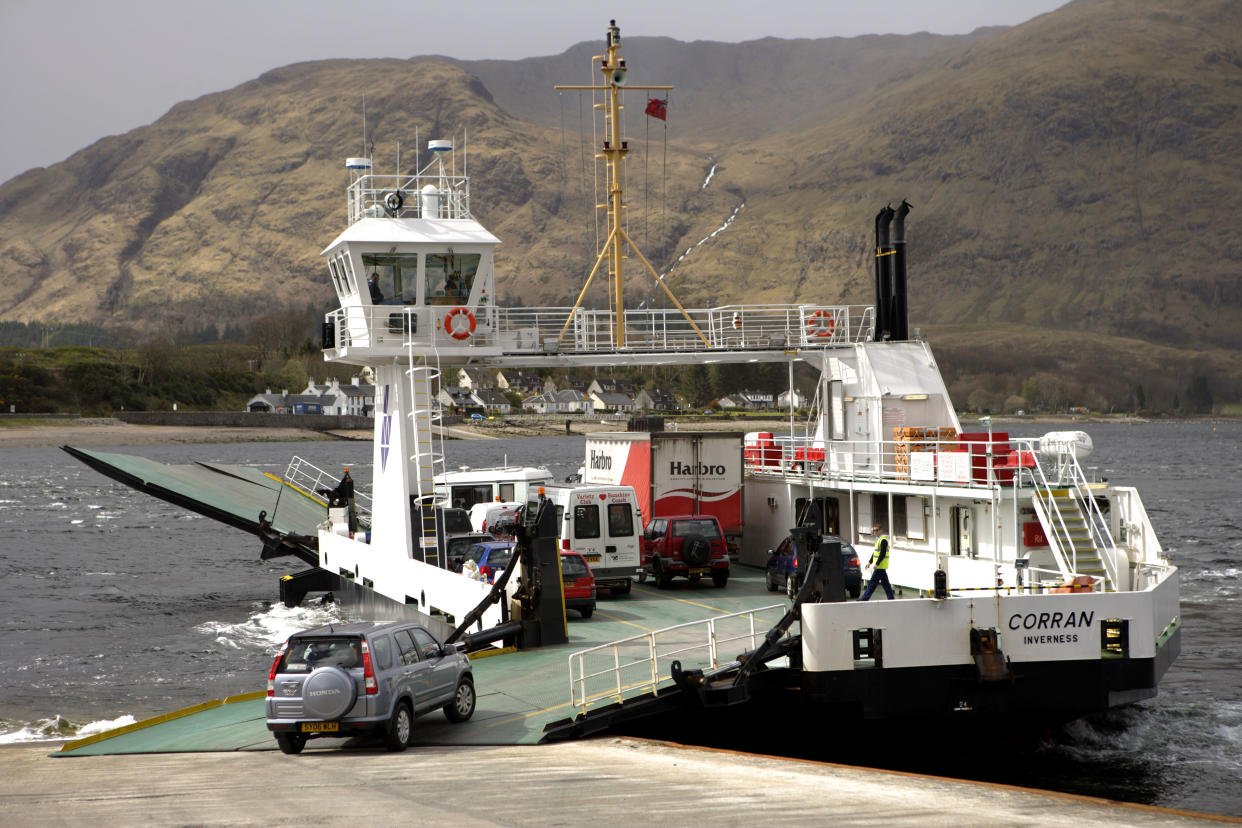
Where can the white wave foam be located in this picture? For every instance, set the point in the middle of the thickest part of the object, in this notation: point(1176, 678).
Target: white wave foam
point(1231, 572)
point(268, 628)
point(57, 728)
point(104, 725)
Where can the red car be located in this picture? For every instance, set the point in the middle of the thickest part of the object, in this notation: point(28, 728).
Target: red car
point(578, 584)
point(688, 545)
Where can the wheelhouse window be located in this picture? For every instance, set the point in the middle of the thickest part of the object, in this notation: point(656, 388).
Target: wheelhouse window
point(450, 276)
point(347, 274)
point(398, 276)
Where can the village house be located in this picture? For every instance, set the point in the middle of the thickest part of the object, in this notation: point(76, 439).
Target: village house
point(543, 403)
point(572, 401)
point(474, 379)
point(799, 399)
point(656, 399)
point(566, 382)
point(612, 401)
point(611, 386)
point(519, 382)
point(330, 398)
point(454, 399)
point(490, 400)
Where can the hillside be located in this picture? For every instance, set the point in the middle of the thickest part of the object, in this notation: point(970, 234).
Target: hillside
point(1073, 175)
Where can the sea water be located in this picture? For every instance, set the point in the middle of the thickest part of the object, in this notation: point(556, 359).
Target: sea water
point(119, 606)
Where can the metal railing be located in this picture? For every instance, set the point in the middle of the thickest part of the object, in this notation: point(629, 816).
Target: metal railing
point(641, 664)
point(578, 330)
point(933, 462)
point(311, 480)
point(402, 196)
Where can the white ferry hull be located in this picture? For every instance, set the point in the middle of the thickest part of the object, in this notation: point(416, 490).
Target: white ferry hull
point(1053, 662)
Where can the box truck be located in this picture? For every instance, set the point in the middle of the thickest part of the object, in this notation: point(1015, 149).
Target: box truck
point(674, 473)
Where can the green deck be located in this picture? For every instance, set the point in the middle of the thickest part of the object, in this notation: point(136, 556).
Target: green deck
point(519, 692)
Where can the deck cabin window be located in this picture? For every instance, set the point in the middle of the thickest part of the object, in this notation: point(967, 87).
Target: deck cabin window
point(398, 276)
point(450, 276)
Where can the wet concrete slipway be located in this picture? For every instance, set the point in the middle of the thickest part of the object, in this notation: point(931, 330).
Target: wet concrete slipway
point(611, 781)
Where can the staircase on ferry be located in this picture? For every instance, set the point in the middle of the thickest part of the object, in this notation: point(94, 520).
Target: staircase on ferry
point(1076, 530)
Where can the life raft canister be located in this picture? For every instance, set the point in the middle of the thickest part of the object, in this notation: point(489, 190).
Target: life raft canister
point(466, 330)
point(821, 323)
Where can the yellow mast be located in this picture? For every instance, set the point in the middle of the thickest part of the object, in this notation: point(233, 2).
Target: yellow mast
point(614, 151)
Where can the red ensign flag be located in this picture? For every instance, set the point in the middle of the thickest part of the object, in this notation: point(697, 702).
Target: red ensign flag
point(657, 108)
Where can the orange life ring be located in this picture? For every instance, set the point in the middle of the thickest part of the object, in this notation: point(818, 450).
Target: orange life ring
point(464, 333)
point(814, 328)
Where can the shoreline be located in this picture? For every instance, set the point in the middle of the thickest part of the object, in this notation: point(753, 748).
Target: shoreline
point(95, 432)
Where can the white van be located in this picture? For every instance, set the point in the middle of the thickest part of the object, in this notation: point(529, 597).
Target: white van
point(603, 524)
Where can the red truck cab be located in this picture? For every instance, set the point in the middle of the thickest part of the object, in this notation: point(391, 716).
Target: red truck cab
point(690, 546)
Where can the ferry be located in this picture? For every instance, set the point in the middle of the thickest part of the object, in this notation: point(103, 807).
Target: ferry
point(1028, 588)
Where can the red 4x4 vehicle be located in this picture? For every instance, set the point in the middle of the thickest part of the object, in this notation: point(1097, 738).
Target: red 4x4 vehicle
point(689, 545)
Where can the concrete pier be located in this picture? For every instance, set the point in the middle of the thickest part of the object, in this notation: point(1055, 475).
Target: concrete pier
point(612, 781)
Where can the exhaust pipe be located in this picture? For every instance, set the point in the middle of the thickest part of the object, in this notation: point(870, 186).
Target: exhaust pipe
point(899, 323)
point(883, 274)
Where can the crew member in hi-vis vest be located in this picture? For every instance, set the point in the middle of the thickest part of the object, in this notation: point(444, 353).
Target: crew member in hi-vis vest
point(879, 559)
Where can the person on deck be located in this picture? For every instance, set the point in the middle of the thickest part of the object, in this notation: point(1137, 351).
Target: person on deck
point(344, 493)
point(879, 559)
point(377, 295)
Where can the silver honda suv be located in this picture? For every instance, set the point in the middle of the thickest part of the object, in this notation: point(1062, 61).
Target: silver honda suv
point(364, 677)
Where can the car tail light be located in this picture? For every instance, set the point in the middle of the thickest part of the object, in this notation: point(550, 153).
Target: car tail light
point(271, 674)
point(565, 544)
point(853, 560)
point(795, 561)
point(368, 671)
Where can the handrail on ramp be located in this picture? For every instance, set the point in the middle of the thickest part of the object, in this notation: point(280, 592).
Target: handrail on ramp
point(640, 664)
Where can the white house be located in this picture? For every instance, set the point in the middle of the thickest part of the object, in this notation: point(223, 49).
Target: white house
point(475, 379)
point(572, 401)
point(799, 399)
point(606, 401)
point(493, 402)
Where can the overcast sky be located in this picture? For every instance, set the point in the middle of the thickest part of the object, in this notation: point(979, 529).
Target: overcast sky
point(74, 71)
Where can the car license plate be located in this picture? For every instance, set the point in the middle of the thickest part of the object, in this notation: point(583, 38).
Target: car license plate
point(699, 570)
point(320, 727)
point(592, 558)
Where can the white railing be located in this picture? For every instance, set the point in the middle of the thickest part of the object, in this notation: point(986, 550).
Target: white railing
point(401, 196)
point(1135, 530)
point(929, 462)
point(545, 330)
point(310, 480)
point(641, 664)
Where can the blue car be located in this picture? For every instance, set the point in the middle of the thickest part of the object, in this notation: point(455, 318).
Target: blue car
point(782, 571)
point(491, 557)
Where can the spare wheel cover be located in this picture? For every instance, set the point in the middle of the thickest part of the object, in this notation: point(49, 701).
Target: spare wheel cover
point(696, 550)
point(328, 693)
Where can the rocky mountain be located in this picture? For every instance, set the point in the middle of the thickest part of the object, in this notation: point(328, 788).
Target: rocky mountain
point(1078, 173)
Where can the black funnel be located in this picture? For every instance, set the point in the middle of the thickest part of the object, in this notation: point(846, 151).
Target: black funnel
point(899, 320)
point(883, 274)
